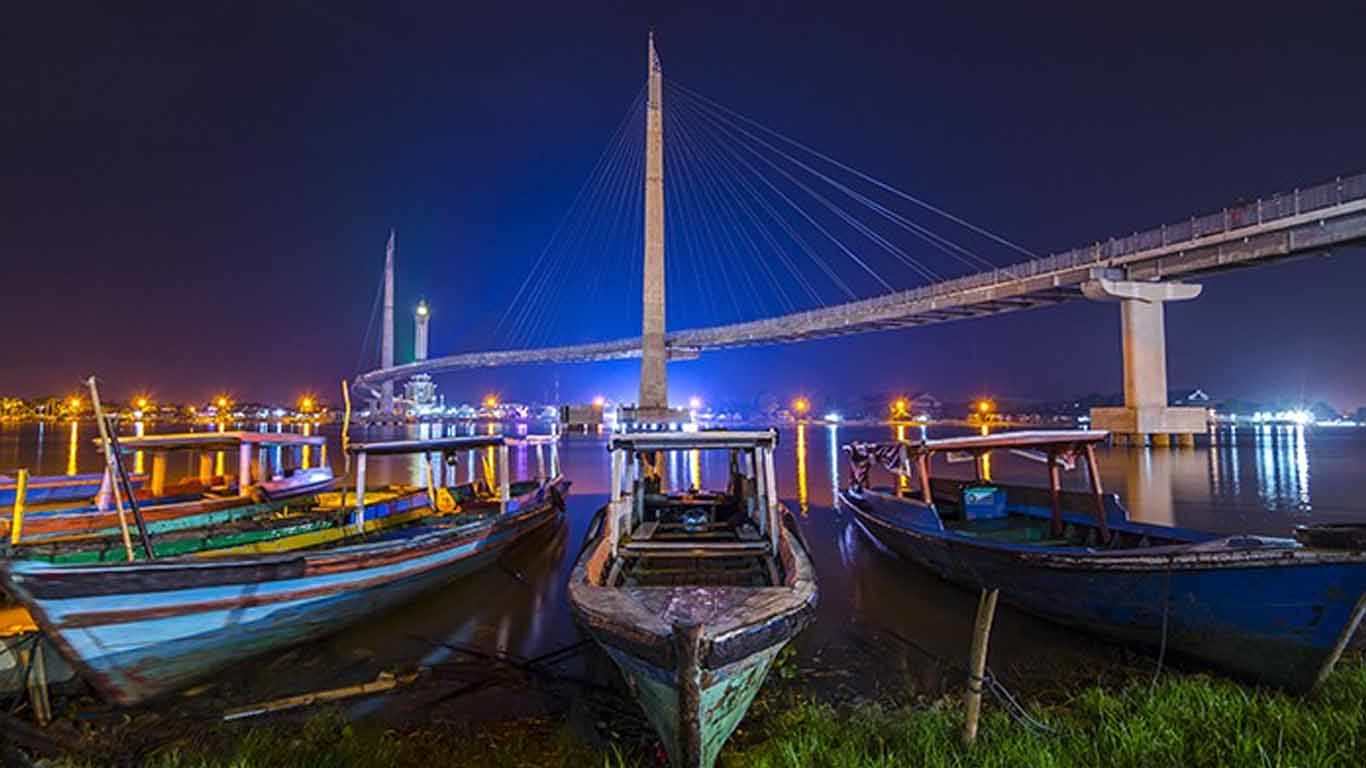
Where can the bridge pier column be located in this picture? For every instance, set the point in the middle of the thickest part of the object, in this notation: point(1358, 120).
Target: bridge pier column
point(1145, 419)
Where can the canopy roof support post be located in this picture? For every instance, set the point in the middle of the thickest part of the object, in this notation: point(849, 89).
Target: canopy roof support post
point(205, 467)
point(1093, 473)
point(158, 479)
point(762, 502)
point(775, 520)
point(923, 461)
point(555, 458)
point(1055, 494)
point(504, 483)
point(360, 493)
point(244, 469)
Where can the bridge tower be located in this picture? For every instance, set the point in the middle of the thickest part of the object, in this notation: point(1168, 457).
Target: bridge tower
point(654, 383)
point(386, 351)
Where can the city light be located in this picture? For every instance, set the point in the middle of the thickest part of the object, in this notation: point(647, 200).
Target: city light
point(73, 403)
point(695, 402)
point(422, 309)
point(306, 404)
point(490, 401)
point(142, 402)
point(985, 406)
point(599, 401)
point(901, 408)
point(800, 406)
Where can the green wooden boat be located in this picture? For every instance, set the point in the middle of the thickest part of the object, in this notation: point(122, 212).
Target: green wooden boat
point(693, 594)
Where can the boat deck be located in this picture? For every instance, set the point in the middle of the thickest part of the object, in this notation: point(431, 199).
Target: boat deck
point(703, 540)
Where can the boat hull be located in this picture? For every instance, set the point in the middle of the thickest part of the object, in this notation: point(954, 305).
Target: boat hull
point(1278, 617)
point(694, 657)
point(723, 697)
point(141, 630)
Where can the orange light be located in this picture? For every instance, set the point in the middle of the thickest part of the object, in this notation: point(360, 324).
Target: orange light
point(74, 403)
point(490, 401)
point(222, 401)
point(984, 406)
point(900, 407)
point(306, 403)
point(142, 403)
point(599, 401)
point(801, 405)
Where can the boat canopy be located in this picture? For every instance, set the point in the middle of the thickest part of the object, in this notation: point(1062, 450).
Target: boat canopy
point(1055, 448)
point(430, 445)
point(218, 441)
point(683, 441)
point(1069, 440)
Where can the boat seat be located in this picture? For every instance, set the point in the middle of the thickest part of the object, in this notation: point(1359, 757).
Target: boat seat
point(695, 548)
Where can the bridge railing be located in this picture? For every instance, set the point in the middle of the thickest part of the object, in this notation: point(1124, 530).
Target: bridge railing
point(1261, 211)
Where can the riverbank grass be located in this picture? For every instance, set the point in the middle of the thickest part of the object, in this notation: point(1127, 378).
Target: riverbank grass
point(1191, 720)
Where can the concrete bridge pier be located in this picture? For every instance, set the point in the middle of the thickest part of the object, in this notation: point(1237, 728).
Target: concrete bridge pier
point(1145, 419)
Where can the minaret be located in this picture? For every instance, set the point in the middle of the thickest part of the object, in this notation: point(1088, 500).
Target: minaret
point(421, 317)
point(386, 352)
point(654, 384)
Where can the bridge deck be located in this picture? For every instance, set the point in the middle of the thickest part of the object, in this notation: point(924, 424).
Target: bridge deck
point(1308, 220)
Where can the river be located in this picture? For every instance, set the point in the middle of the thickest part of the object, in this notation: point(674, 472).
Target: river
point(882, 624)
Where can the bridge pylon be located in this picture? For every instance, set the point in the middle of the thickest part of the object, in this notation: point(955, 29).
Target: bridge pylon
point(1145, 418)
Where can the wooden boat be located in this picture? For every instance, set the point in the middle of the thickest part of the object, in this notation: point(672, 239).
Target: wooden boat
point(55, 489)
point(280, 469)
point(693, 593)
point(1268, 610)
point(137, 630)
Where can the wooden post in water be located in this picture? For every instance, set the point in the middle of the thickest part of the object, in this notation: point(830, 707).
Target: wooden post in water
point(16, 519)
point(977, 663)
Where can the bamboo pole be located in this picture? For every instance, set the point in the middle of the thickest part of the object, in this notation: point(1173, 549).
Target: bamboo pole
point(16, 520)
point(37, 686)
point(977, 663)
point(113, 473)
point(1093, 472)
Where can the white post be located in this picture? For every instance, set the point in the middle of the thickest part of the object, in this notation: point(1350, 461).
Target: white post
point(244, 469)
point(617, 471)
point(360, 492)
point(504, 485)
point(555, 458)
point(775, 521)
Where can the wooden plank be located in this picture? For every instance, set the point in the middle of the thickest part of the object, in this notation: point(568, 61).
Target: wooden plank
point(644, 531)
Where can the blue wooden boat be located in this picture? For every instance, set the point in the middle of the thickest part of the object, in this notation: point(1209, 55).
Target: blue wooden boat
point(138, 630)
point(1267, 610)
point(51, 489)
point(692, 593)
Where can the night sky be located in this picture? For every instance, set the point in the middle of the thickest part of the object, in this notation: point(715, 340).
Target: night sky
point(195, 197)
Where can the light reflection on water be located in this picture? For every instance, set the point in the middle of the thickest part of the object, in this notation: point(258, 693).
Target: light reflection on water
point(1249, 479)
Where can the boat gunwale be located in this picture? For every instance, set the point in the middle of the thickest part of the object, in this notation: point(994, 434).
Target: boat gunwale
point(1193, 555)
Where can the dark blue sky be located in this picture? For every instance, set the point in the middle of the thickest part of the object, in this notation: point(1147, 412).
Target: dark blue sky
point(197, 198)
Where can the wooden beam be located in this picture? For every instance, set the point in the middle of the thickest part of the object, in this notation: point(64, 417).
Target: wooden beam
point(1093, 472)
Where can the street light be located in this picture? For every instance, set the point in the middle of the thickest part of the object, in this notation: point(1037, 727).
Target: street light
point(306, 404)
point(490, 401)
point(900, 408)
point(800, 406)
point(695, 402)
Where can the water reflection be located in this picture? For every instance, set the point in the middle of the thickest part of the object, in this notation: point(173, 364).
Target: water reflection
point(139, 457)
point(803, 497)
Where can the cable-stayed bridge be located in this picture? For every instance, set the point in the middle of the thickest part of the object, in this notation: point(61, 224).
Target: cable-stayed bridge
point(750, 189)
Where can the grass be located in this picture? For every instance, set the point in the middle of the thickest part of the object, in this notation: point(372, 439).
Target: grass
point(1190, 720)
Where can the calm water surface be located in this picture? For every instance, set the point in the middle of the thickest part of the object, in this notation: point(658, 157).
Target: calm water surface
point(880, 622)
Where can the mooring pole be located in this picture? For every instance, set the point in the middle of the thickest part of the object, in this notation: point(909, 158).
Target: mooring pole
point(16, 518)
point(977, 663)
